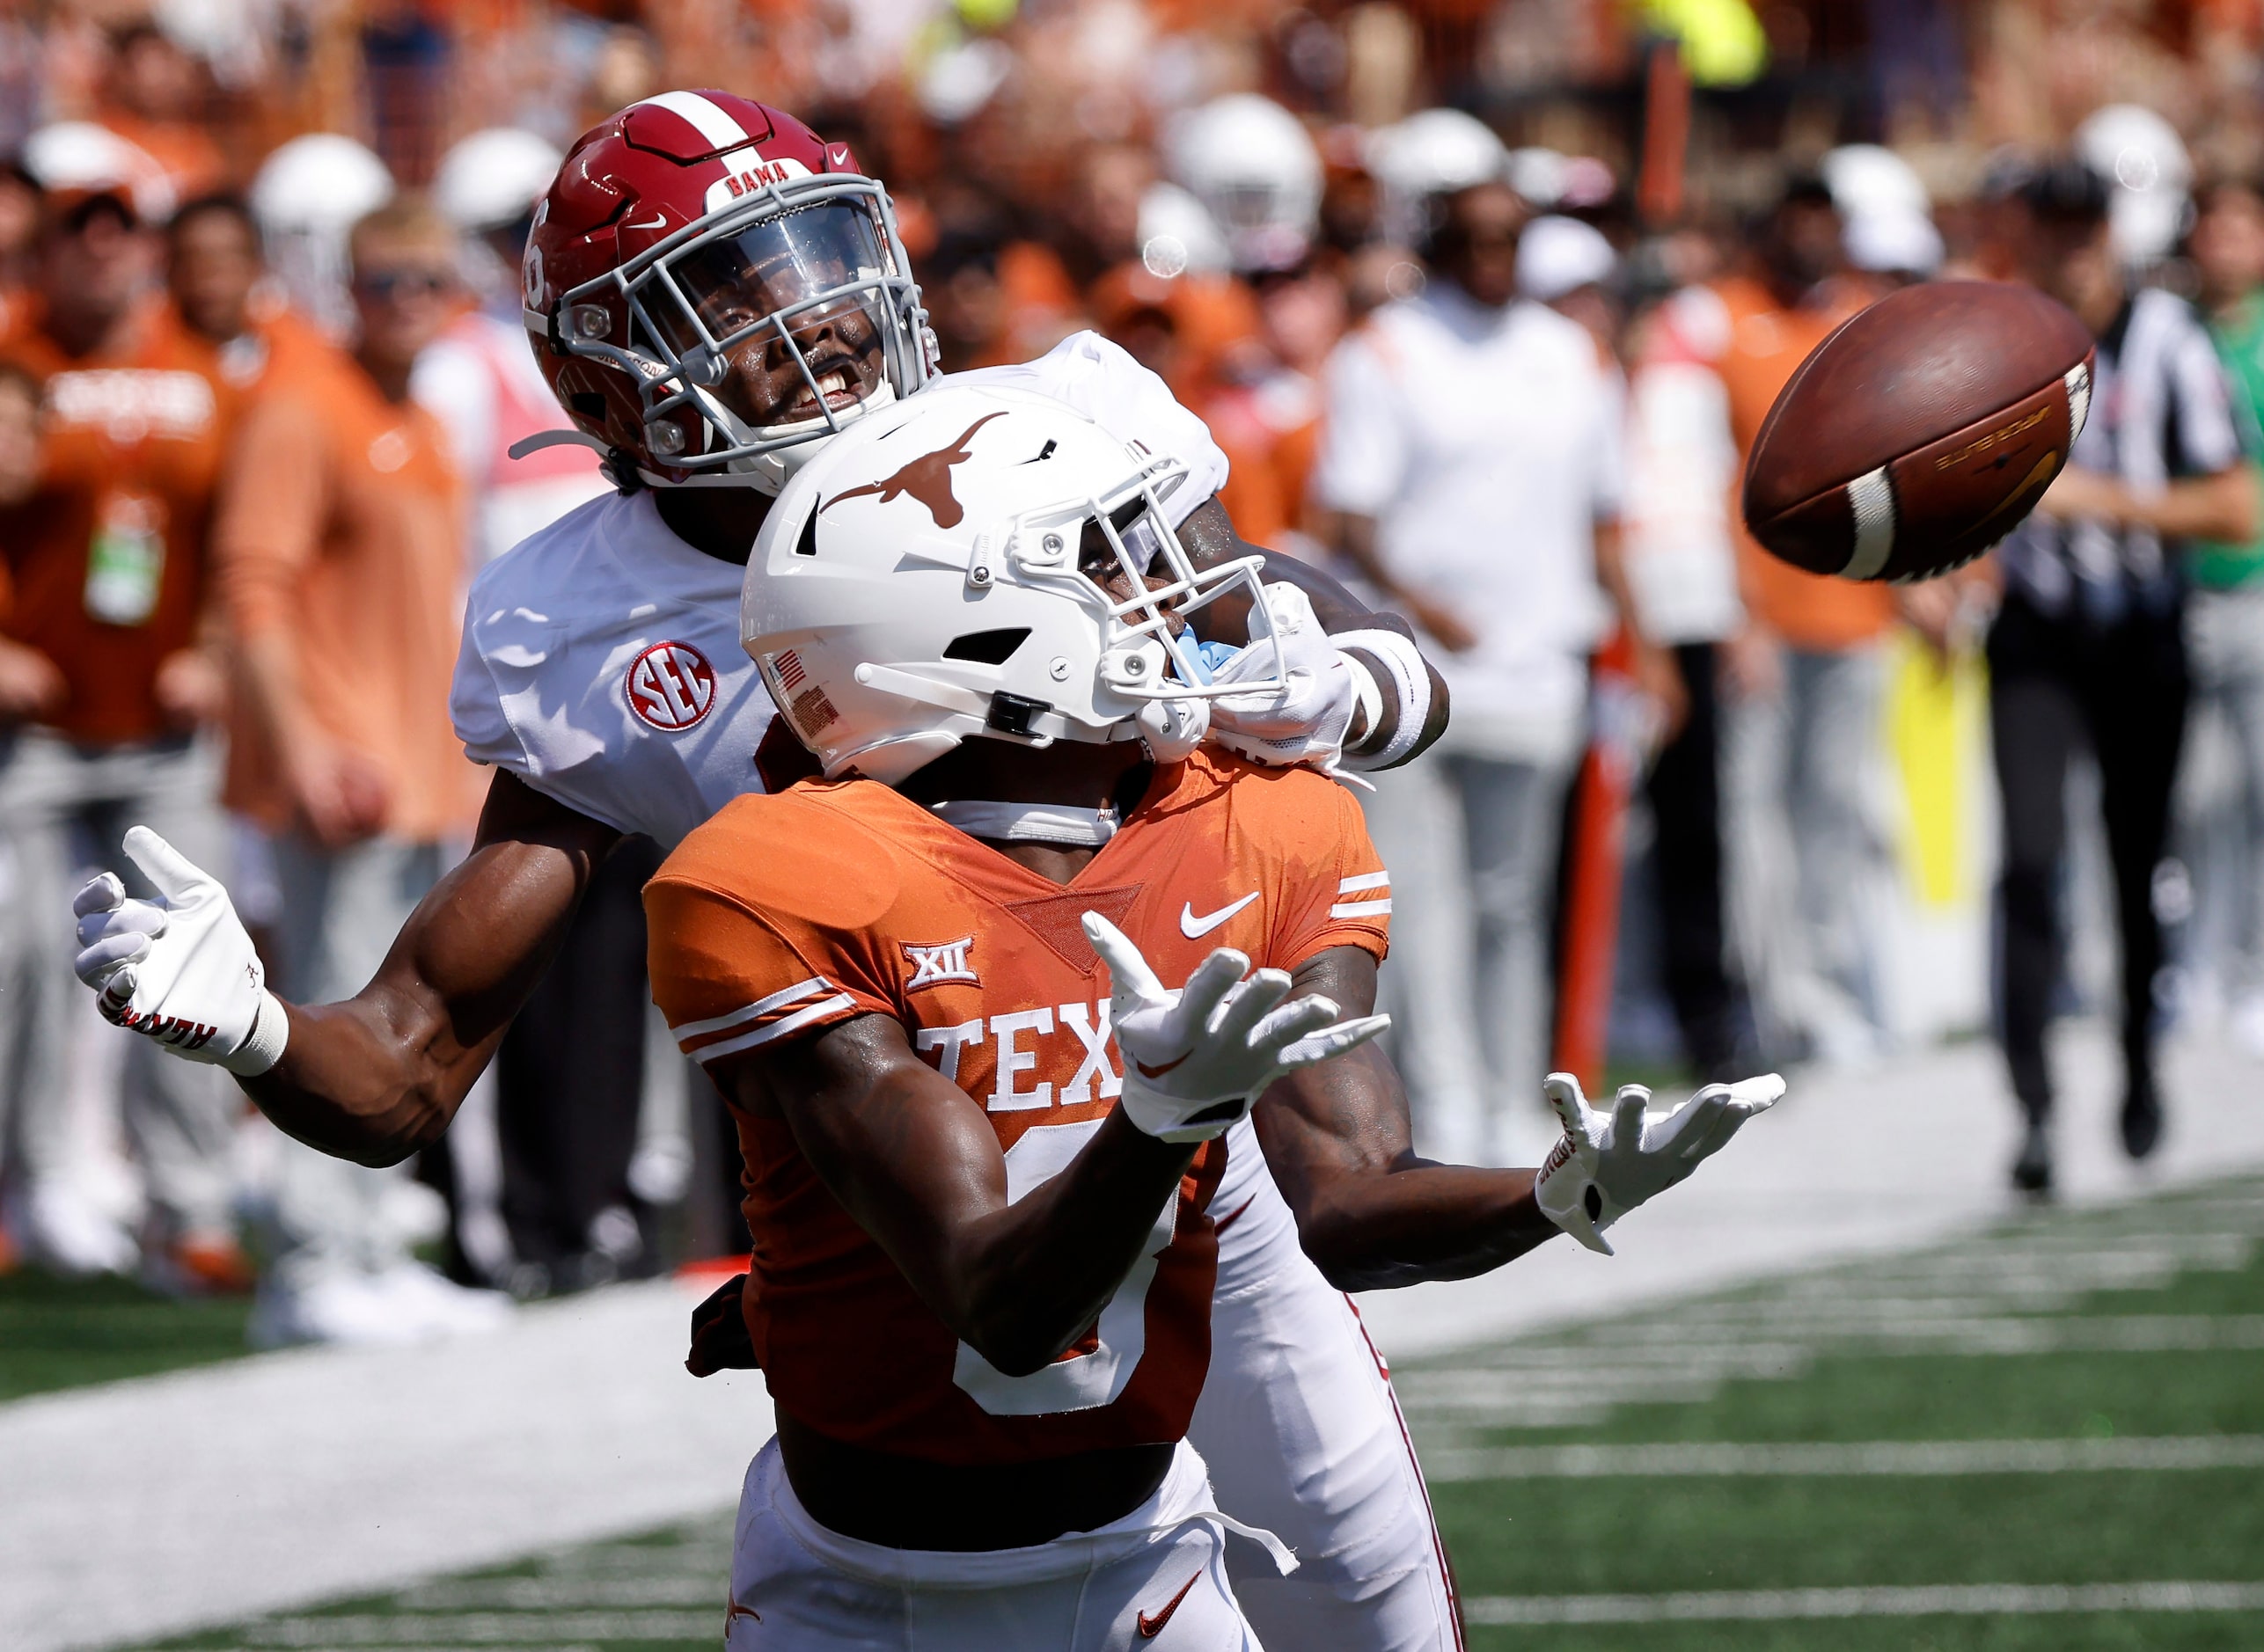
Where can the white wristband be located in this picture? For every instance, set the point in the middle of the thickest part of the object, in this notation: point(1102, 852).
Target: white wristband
point(1410, 679)
point(1174, 1119)
point(263, 1047)
point(1367, 698)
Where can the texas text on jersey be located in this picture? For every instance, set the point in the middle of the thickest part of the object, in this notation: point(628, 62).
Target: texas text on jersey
point(786, 914)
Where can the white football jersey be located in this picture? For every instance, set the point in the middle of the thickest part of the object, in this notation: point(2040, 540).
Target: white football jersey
point(601, 660)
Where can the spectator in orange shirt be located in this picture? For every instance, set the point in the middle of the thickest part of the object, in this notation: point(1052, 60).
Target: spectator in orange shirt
point(108, 692)
point(1809, 672)
point(341, 544)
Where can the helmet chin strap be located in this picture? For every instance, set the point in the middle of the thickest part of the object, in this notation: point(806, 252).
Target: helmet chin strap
point(1031, 822)
point(770, 470)
point(765, 472)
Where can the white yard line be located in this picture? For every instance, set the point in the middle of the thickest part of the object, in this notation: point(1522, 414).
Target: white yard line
point(1946, 1600)
point(1854, 1165)
point(1551, 1385)
point(487, 1628)
point(1918, 1457)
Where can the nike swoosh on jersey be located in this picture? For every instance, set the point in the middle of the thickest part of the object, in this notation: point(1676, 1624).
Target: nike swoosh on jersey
point(1194, 928)
point(660, 222)
point(1152, 1626)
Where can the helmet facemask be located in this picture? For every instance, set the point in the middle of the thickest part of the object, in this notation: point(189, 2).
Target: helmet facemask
point(747, 319)
point(1127, 557)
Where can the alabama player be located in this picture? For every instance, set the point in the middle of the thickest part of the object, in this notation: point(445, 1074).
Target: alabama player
point(982, 1278)
point(715, 292)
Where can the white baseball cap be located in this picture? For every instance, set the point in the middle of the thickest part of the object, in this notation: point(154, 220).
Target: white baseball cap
point(1557, 255)
point(1893, 241)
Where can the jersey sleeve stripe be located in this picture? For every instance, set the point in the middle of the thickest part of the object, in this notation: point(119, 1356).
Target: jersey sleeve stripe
point(1360, 909)
point(794, 1023)
point(1366, 881)
point(777, 1000)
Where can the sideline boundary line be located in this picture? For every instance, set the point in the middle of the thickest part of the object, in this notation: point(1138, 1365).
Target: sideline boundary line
point(1946, 1600)
point(2139, 1454)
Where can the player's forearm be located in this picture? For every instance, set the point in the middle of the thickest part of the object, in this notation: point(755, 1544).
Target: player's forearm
point(1370, 1212)
point(912, 1158)
point(1417, 1222)
point(1032, 1277)
point(380, 1075)
point(372, 1079)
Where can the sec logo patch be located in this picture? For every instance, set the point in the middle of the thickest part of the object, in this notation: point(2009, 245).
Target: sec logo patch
point(671, 686)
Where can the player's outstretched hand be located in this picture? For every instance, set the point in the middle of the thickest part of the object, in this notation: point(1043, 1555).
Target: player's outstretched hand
point(1196, 1058)
point(180, 968)
point(1607, 1163)
point(1306, 718)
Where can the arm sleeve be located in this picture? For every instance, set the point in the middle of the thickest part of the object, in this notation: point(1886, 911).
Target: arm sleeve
point(1335, 889)
point(730, 979)
point(268, 526)
point(1363, 457)
point(475, 705)
point(1101, 380)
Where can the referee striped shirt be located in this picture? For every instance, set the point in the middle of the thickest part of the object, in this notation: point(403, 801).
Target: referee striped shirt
point(2160, 410)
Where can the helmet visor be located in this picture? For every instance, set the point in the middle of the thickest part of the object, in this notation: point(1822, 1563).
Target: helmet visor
point(788, 309)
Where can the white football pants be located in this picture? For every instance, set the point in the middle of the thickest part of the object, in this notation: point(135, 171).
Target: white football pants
point(1304, 1438)
point(1156, 1578)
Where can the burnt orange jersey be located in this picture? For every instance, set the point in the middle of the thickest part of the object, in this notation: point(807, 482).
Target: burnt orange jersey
point(788, 914)
point(107, 559)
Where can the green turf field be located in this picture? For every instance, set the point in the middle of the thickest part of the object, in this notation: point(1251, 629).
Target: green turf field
point(2046, 1439)
point(62, 1333)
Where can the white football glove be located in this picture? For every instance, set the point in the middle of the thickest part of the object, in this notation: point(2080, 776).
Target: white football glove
point(1606, 1165)
point(180, 968)
point(1304, 720)
point(1195, 1059)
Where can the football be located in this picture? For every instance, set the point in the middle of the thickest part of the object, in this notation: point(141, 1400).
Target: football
point(1921, 432)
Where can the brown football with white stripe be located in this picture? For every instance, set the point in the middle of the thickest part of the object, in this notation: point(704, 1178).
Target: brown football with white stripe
point(1921, 432)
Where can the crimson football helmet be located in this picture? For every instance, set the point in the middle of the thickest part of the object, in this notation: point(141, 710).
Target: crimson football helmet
point(710, 286)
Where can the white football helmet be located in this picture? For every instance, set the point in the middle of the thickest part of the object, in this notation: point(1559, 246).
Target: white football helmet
point(494, 177)
point(1430, 155)
point(1253, 164)
point(80, 157)
point(941, 569)
point(308, 196)
point(1870, 180)
point(2150, 174)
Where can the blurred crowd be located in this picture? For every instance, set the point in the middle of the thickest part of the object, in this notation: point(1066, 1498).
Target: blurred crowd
point(1486, 304)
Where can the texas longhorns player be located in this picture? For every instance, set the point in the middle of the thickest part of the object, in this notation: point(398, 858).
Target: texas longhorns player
point(985, 1260)
point(714, 292)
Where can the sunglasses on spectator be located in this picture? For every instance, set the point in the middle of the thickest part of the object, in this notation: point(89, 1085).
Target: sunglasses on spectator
point(386, 285)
